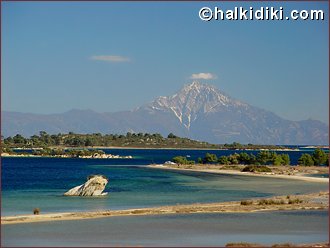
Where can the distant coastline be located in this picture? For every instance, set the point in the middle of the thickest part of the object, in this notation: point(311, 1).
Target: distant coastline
point(99, 156)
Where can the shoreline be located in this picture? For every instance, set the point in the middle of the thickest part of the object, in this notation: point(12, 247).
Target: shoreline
point(313, 201)
point(239, 173)
point(173, 148)
point(105, 156)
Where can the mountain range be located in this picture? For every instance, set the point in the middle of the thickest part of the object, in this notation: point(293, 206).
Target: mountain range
point(198, 111)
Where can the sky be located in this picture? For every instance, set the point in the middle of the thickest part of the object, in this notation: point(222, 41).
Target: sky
point(114, 56)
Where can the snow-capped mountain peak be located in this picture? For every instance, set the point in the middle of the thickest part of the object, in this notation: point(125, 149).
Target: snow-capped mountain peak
point(193, 100)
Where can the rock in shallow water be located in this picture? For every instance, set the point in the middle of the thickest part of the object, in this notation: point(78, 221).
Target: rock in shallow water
point(93, 187)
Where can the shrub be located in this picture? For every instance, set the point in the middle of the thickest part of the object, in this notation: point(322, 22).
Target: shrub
point(270, 202)
point(210, 158)
point(306, 160)
point(242, 244)
point(223, 160)
point(256, 168)
point(246, 202)
point(36, 211)
point(283, 245)
point(182, 160)
point(281, 159)
point(295, 201)
point(319, 157)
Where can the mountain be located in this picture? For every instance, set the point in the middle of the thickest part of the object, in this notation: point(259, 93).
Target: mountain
point(198, 111)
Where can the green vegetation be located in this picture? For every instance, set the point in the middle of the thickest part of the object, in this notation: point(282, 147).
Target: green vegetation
point(319, 157)
point(270, 202)
point(242, 244)
point(258, 163)
point(306, 160)
point(73, 153)
point(262, 202)
point(210, 158)
point(256, 168)
point(182, 160)
point(283, 245)
point(262, 158)
point(96, 139)
point(56, 152)
point(266, 157)
point(245, 244)
point(55, 144)
point(118, 140)
point(246, 202)
point(294, 201)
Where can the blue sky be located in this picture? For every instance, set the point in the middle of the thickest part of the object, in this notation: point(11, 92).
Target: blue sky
point(111, 56)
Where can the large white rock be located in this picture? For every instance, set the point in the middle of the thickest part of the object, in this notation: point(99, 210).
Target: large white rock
point(93, 187)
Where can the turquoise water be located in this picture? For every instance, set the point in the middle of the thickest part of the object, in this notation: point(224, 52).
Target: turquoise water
point(29, 183)
point(175, 230)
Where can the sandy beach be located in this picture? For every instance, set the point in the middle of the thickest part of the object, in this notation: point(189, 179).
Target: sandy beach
point(302, 202)
point(319, 200)
point(219, 170)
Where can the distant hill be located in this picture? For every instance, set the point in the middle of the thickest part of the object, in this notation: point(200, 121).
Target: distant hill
point(197, 111)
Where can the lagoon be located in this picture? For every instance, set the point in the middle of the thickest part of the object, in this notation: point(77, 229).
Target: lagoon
point(29, 183)
point(175, 230)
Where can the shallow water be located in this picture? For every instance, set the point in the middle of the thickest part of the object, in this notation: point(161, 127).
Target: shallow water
point(29, 183)
point(174, 230)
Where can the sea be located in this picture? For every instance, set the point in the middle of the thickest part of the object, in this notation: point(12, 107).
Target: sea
point(30, 182)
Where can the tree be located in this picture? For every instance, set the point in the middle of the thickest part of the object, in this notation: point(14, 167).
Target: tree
point(263, 157)
point(286, 159)
point(19, 139)
point(223, 160)
point(319, 157)
point(77, 141)
point(171, 136)
point(253, 160)
point(210, 158)
point(88, 142)
point(182, 160)
point(233, 158)
point(56, 139)
point(43, 133)
point(8, 140)
point(236, 145)
point(280, 159)
point(244, 158)
point(306, 160)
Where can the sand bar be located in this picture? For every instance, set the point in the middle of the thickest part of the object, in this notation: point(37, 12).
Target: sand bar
point(239, 173)
point(302, 202)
